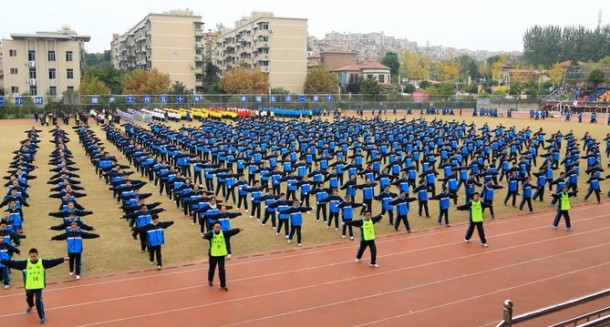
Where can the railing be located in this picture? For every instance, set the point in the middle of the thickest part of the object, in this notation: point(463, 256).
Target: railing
point(509, 320)
point(602, 315)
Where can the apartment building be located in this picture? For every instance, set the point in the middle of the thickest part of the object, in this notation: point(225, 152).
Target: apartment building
point(44, 63)
point(276, 45)
point(172, 42)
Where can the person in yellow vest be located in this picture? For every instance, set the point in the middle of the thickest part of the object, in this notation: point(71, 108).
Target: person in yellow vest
point(35, 280)
point(563, 209)
point(475, 206)
point(367, 236)
point(217, 253)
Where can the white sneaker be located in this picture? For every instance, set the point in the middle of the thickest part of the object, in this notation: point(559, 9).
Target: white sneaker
point(70, 273)
point(158, 267)
point(263, 225)
point(287, 236)
point(336, 229)
point(77, 277)
point(251, 217)
point(357, 260)
point(289, 241)
point(6, 287)
point(276, 234)
point(300, 244)
point(351, 238)
point(466, 241)
point(327, 227)
point(342, 236)
point(484, 245)
point(192, 223)
point(229, 256)
point(374, 265)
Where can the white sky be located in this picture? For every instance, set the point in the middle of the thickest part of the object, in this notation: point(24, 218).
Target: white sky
point(472, 24)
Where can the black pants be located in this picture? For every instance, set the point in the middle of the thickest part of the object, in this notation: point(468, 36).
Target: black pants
point(424, 205)
point(445, 213)
point(266, 217)
point(284, 223)
point(596, 194)
point(363, 246)
point(155, 251)
point(334, 215)
point(220, 261)
point(321, 207)
point(539, 194)
point(230, 193)
point(242, 199)
point(29, 298)
point(405, 221)
point(480, 230)
point(305, 199)
point(566, 215)
point(369, 205)
point(348, 227)
point(143, 240)
point(390, 214)
point(529, 204)
point(256, 207)
point(295, 229)
point(491, 208)
point(510, 194)
point(75, 259)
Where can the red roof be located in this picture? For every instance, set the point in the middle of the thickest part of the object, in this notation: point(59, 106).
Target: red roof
point(373, 65)
point(569, 63)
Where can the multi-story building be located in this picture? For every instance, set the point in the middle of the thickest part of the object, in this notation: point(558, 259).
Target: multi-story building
point(44, 63)
point(276, 45)
point(172, 42)
point(334, 59)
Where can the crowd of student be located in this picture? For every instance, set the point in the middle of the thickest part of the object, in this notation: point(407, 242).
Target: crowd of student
point(143, 218)
point(281, 164)
point(13, 218)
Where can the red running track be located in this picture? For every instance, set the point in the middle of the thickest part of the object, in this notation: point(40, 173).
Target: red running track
point(428, 278)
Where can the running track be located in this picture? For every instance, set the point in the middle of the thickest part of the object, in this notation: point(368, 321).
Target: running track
point(428, 278)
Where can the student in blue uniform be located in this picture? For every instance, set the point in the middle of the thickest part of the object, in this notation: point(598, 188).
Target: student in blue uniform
point(296, 220)
point(74, 242)
point(155, 237)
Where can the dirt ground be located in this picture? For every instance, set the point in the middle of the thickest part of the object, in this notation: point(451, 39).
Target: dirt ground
point(117, 251)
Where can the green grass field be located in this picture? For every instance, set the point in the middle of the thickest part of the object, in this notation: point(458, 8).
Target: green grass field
point(117, 251)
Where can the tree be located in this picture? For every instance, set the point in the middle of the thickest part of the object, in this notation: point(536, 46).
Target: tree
point(321, 81)
point(409, 88)
point(279, 90)
point(91, 85)
point(450, 70)
point(244, 81)
point(112, 77)
point(179, 88)
point(146, 82)
point(596, 76)
point(556, 74)
point(353, 86)
point(415, 66)
point(391, 60)
point(370, 86)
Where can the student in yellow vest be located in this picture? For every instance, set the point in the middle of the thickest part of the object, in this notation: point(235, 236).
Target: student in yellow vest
point(367, 236)
point(475, 206)
point(35, 280)
point(217, 253)
point(563, 209)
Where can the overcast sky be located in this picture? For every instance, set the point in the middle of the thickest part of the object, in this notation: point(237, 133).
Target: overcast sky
point(472, 24)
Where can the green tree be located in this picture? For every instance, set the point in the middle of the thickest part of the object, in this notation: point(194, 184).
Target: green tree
point(279, 90)
point(321, 81)
point(245, 81)
point(596, 76)
point(112, 77)
point(391, 60)
point(409, 88)
point(178, 88)
point(91, 85)
point(211, 80)
point(370, 86)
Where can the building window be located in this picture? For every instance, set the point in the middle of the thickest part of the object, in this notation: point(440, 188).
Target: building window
point(381, 79)
point(51, 56)
point(263, 50)
point(14, 89)
point(70, 72)
point(198, 38)
point(53, 90)
point(12, 53)
point(265, 26)
point(199, 77)
point(198, 51)
point(68, 55)
point(14, 71)
point(32, 73)
point(33, 90)
point(199, 64)
point(70, 88)
point(31, 55)
point(52, 73)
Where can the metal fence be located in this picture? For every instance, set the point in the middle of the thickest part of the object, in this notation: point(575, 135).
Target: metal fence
point(29, 105)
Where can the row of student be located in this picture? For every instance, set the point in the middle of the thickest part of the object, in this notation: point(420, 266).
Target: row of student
point(67, 188)
point(12, 220)
point(143, 218)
